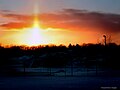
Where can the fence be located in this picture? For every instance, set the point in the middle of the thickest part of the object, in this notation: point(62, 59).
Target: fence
point(63, 71)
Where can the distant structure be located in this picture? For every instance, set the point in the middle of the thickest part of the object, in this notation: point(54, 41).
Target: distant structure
point(105, 39)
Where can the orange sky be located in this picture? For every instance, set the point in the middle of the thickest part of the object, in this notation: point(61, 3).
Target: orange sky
point(53, 30)
point(65, 26)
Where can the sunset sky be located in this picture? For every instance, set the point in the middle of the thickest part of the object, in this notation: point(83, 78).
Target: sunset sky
point(60, 21)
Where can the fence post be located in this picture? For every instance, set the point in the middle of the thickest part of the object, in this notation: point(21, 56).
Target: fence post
point(24, 67)
point(96, 68)
point(71, 68)
point(50, 70)
point(65, 70)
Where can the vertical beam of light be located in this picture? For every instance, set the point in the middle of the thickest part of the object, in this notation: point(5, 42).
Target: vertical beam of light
point(36, 23)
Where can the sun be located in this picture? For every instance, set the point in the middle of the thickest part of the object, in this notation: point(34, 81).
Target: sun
point(35, 34)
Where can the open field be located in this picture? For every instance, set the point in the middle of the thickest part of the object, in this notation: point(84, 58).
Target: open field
point(59, 83)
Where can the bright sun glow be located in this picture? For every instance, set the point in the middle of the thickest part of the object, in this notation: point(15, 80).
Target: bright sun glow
point(35, 35)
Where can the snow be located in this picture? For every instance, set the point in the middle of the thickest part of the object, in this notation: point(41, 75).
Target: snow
point(58, 83)
point(61, 79)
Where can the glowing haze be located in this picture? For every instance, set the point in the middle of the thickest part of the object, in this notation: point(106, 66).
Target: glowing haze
point(34, 34)
point(58, 22)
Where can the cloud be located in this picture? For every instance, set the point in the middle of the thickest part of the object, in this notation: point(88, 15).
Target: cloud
point(81, 19)
point(13, 15)
point(15, 25)
point(69, 19)
point(11, 20)
point(17, 16)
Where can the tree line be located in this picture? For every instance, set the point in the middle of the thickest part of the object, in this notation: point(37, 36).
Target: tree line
point(87, 55)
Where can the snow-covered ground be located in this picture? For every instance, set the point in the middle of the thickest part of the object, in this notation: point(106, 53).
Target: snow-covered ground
point(61, 79)
point(59, 83)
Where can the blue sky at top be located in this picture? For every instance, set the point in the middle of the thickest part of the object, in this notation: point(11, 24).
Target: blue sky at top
point(26, 6)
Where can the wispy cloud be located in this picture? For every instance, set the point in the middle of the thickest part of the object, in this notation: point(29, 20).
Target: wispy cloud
point(72, 18)
point(69, 19)
point(15, 25)
point(10, 20)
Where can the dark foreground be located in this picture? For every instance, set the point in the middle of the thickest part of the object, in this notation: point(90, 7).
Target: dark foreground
point(59, 83)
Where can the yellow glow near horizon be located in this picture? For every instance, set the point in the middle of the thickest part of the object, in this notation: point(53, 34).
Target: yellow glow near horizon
point(35, 34)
